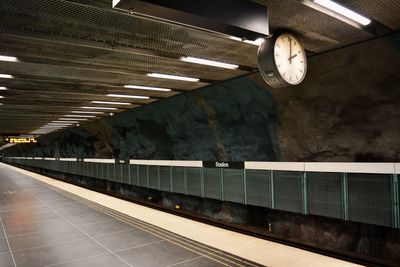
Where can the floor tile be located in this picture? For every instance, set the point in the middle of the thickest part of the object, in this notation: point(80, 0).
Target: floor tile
point(200, 262)
point(6, 260)
point(3, 245)
point(36, 227)
point(45, 238)
point(107, 260)
point(158, 254)
point(89, 217)
point(102, 228)
point(126, 239)
point(21, 217)
point(57, 253)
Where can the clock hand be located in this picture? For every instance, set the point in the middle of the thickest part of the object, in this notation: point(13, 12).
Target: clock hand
point(290, 49)
point(292, 57)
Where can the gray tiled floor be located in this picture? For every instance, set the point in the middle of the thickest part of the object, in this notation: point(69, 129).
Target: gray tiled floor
point(46, 228)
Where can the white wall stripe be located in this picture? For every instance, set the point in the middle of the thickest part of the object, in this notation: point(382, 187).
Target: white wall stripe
point(277, 166)
point(348, 167)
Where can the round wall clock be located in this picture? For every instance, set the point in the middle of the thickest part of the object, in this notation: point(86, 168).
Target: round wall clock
point(282, 60)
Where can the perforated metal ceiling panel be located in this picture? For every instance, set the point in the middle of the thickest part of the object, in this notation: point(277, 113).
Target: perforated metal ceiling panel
point(386, 12)
point(74, 51)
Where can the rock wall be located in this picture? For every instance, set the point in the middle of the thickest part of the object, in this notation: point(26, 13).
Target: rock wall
point(347, 109)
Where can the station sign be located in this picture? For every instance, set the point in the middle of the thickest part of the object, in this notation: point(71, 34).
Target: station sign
point(20, 140)
point(224, 164)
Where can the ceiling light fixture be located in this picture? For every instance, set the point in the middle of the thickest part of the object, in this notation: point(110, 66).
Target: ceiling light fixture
point(256, 42)
point(52, 126)
point(209, 62)
point(88, 112)
point(59, 124)
point(72, 119)
point(8, 58)
point(79, 116)
point(66, 121)
point(1, 96)
point(106, 108)
point(110, 103)
point(172, 77)
point(3, 88)
point(341, 10)
point(6, 76)
point(129, 96)
point(141, 87)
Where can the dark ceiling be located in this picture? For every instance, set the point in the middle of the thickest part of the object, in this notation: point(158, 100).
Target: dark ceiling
point(73, 52)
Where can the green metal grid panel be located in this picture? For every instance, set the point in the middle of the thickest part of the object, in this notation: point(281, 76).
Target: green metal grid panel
point(74, 167)
point(193, 176)
point(233, 185)
point(142, 175)
point(397, 201)
point(288, 191)
point(165, 178)
point(106, 171)
point(85, 168)
point(212, 183)
point(258, 188)
point(95, 170)
point(134, 174)
point(109, 171)
point(125, 173)
point(153, 177)
point(118, 172)
point(178, 179)
point(370, 198)
point(324, 194)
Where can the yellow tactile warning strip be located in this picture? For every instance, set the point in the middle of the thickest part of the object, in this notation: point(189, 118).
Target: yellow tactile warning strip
point(217, 239)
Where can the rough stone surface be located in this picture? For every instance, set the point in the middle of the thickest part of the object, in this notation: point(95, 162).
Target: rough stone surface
point(347, 109)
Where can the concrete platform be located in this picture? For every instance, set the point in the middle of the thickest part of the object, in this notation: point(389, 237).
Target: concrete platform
point(46, 222)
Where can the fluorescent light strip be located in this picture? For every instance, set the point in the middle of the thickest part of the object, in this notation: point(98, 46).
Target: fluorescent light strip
point(79, 116)
point(1, 96)
point(141, 87)
point(129, 96)
point(209, 62)
point(3, 88)
point(88, 112)
point(66, 121)
point(6, 76)
point(343, 11)
point(59, 124)
point(7, 58)
point(52, 127)
point(110, 103)
point(99, 108)
point(173, 77)
point(256, 42)
point(72, 119)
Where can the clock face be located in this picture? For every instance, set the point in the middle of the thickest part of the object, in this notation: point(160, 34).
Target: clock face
point(290, 59)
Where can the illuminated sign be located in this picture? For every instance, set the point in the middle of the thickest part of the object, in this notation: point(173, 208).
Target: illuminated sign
point(20, 140)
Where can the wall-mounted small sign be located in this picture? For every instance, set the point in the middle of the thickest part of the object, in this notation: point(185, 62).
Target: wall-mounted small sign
point(224, 164)
point(20, 140)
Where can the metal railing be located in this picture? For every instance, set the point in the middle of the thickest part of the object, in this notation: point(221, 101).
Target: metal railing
point(361, 192)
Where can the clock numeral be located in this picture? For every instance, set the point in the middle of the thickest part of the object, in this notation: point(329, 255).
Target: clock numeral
point(277, 55)
point(284, 74)
point(301, 70)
